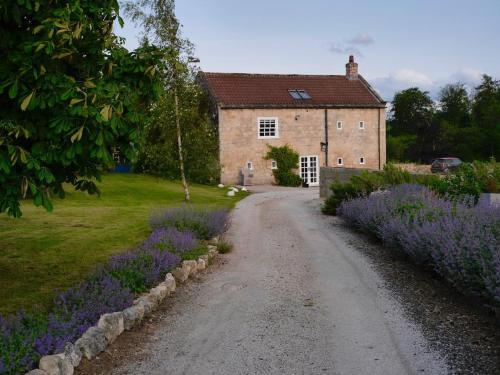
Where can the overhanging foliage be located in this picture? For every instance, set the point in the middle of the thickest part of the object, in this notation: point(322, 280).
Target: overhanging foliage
point(69, 93)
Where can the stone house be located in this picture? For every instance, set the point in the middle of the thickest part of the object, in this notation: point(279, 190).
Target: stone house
point(330, 120)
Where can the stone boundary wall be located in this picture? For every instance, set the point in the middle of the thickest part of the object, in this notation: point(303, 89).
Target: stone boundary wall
point(328, 175)
point(95, 340)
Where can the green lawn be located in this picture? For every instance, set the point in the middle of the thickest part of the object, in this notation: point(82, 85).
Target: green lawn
point(42, 251)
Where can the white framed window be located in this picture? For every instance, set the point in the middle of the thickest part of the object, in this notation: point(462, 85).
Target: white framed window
point(340, 125)
point(250, 165)
point(361, 125)
point(362, 160)
point(274, 165)
point(340, 161)
point(267, 127)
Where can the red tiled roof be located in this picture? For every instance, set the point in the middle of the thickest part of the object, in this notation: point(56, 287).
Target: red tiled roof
point(240, 90)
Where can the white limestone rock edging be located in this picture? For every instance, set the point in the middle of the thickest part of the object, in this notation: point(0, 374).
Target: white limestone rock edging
point(95, 340)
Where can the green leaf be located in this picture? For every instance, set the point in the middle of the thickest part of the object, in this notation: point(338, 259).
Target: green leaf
point(78, 135)
point(23, 156)
point(13, 90)
point(40, 47)
point(75, 101)
point(37, 29)
point(105, 112)
point(37, 199)
point(26, 101)
point(100, 139)
point(89, 84)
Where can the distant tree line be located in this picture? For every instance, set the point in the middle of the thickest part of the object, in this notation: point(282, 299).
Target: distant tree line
point(461, 123)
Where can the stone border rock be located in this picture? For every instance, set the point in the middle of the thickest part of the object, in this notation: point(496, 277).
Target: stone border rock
point(95, 340)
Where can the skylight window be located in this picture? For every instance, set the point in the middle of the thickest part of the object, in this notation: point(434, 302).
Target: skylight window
point(299, 94)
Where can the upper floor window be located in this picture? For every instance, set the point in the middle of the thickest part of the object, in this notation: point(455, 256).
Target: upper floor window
point(268, 127)
point(250, 165)
point(274, 165)
point(362, 160)
point(339, 125)
point(340, 161)
point(361, 125)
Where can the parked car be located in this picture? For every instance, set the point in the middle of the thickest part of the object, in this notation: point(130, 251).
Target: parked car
point(445, 165)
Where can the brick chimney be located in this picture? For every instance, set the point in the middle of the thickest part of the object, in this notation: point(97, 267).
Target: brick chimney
point(351, 69)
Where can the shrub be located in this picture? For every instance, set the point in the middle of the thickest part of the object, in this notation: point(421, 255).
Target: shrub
point(287, 178)
point(139, 270)
point(358, 185)
point(205, 224)
point(287, 160)
point(224, 247)
point(25, 338)
point(459, 240)
point(171, 239)
point(471, 179)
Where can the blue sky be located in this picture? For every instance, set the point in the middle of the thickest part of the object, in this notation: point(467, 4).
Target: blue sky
point(398, 44)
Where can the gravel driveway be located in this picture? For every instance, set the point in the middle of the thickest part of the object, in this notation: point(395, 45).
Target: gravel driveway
point(292, 298)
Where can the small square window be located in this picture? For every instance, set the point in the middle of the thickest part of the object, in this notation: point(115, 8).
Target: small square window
point(361, 125)
point(339, 125)
point(362, 160)
point(268, 127)
point(249, 165)
point(340, 161)
point(274, 165)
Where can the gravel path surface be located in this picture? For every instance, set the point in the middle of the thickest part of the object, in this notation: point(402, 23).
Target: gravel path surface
point(293, 298)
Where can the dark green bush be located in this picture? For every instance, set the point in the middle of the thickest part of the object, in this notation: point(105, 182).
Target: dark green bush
point(359, 185)
point(286, 178)
point(287, 160)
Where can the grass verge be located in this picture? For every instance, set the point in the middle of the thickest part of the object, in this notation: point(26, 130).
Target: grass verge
point(43, 252)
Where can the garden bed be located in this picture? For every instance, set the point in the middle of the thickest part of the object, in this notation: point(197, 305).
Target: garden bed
point(460, 241)
point(178, 234)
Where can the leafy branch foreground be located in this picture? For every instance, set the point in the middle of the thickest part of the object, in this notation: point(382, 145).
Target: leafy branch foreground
point(69, 94)
point(25, 337)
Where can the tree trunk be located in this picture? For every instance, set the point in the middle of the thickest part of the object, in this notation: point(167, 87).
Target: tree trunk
point(179, 142)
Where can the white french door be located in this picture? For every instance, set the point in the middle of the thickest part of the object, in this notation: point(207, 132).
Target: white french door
point(309, 166)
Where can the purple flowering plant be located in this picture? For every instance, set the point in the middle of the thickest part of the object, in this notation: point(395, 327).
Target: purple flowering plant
point(24, 338)
point(458, 239)
point(204, 223)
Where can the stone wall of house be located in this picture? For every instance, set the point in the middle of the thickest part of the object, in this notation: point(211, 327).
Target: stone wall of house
point(303, 130)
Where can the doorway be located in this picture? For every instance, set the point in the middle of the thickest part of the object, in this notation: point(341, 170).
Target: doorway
point(309, 169)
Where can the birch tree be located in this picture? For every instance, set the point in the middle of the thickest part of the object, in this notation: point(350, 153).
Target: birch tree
point(162, 28)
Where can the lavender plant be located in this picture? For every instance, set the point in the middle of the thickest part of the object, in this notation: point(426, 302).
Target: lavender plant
point(24, 338)
point(171, 239)
point(459, 240)
point(205, 224)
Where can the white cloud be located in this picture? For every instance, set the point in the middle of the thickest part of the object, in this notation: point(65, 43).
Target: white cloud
point(363, 39)
point(342, 49)
point(405, 78)
point(468, 76)
point(399, 80)
point(410, 77)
